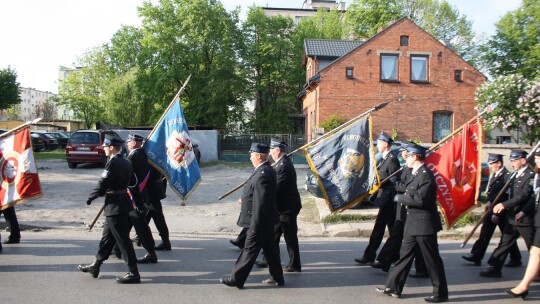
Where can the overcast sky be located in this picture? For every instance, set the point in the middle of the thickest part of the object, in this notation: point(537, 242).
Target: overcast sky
point(39, 35)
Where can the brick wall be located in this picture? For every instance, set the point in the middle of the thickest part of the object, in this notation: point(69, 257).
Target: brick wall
point(413, 104)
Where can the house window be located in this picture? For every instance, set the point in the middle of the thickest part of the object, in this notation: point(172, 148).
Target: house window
point(389, 67)
point(349, 72)
point(419, 68)
point(404, 40)
point(442, 125)
point(458, 75)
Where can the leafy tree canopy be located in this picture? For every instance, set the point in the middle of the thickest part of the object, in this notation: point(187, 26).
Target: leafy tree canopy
point(10, 91)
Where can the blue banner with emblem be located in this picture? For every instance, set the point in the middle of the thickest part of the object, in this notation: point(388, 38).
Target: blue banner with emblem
point(170, 151)
point(345, 165)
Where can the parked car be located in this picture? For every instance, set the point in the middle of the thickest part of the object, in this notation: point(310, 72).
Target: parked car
point(50, 142)
point(85, 146)
point(61, 137)
point(37, 143)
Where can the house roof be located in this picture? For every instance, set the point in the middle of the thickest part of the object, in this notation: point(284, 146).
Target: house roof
point(329, 48)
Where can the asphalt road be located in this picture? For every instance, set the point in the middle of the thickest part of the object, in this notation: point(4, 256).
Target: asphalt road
point(43, 269)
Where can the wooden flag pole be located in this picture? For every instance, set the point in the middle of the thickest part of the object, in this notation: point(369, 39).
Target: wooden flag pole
point(96, 218)
point(497, 199)
point(326, 135)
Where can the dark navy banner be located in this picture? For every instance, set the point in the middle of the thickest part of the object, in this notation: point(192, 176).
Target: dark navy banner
point(345, 165)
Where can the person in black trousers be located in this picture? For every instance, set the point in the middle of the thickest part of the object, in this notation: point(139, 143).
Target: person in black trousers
point(520, 218)
point(139, 193)
point(384, 199)
point(259, 214)
point(421, 227)
point(14, 230)
point(288, 203)
point(390, 251)
point(157, 186)
point(113, 185)
point(497, 180)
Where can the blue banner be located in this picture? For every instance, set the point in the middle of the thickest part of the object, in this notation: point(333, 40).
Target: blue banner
point(170, 150)
point(345, 165)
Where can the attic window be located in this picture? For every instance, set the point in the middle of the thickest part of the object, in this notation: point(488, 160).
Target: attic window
point(404, 40)
point(349, 72)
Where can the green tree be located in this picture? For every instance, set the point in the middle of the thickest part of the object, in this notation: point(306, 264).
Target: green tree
point(10, 91)
point(515, 48)
point(333, 121)
point(518, 106)
point(46, 110)
point(198, 38)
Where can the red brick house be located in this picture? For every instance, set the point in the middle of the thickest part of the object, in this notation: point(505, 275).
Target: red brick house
point(431, 88)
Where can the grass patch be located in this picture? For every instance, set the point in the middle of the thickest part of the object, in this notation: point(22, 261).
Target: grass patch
point(470, 218)
point(348, 218)
point(54, 154)
point(309, 212)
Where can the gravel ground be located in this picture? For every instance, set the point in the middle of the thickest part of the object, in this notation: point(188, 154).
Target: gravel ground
point(65, 191)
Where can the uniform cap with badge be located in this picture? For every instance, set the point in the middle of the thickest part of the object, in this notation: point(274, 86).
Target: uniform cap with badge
point(416, 149)
point(259, 148)
point(403, 146)
point(494, 157)
point(384, 137)
point(134, 137)
point(112, 141)
point(278, 143)
point(517, 154)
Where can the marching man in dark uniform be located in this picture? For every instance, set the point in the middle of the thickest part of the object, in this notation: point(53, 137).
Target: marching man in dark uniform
point(497, 180)
point(113, 185)
point(421, 227)
point(288, 203)
point(385, 200)
point(139, 162)
point(259, 214)
point(519, 219)
point(157, 185)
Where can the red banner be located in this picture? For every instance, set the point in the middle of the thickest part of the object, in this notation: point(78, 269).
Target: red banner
point(18, 170)
point(457, 170)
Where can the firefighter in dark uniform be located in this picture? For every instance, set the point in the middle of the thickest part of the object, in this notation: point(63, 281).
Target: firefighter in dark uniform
point(421, 227)
point(14, 230)
point(498, 178)
point(157, 186)
point(139, 193)
point(519, 219)
point(259, 214)
point(288, 203)
point(533, 266)
point(113, 185)
point(390, 251)
point(384, 199)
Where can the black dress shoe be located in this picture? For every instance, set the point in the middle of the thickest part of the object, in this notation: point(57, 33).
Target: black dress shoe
point(389, 292)
point(129, 278)
point(164, 246)
point(515, 295)
point(491, 273)
point(473, 259)
point(229, 282)
point(272, 281)
point(513, 263)
point(262, 264)
point(92, 269)
point(381, 266)
point(363, 260)
point(148, 259)
point(12, 241)
point(419, 275)
point(434, 299)
point(237, 244)
point(292, 269)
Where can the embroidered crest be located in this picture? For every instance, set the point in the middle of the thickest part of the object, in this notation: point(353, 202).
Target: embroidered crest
point(179, 149)
point(351, 163)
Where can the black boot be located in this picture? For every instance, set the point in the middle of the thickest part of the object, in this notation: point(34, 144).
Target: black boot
point(132, 277)
point(93, 268)
point(149, 258)
point(164, 246)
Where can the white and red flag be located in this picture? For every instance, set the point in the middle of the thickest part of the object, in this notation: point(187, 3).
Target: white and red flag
point(20, 179)
point(457, 170)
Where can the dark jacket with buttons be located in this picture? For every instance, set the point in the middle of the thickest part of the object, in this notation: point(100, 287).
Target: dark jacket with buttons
point(401, 187)
point(113, 185)
point(288, 198)
point(535, 200)
point(141, 169)
point(521, 191)
point(259, 208)
point(496, 184)
point(386, 166)
point(420, 199)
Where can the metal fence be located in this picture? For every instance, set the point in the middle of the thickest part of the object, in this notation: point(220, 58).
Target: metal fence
point(240, 143)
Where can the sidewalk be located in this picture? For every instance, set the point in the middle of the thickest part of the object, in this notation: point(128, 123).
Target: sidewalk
point(355, 229)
